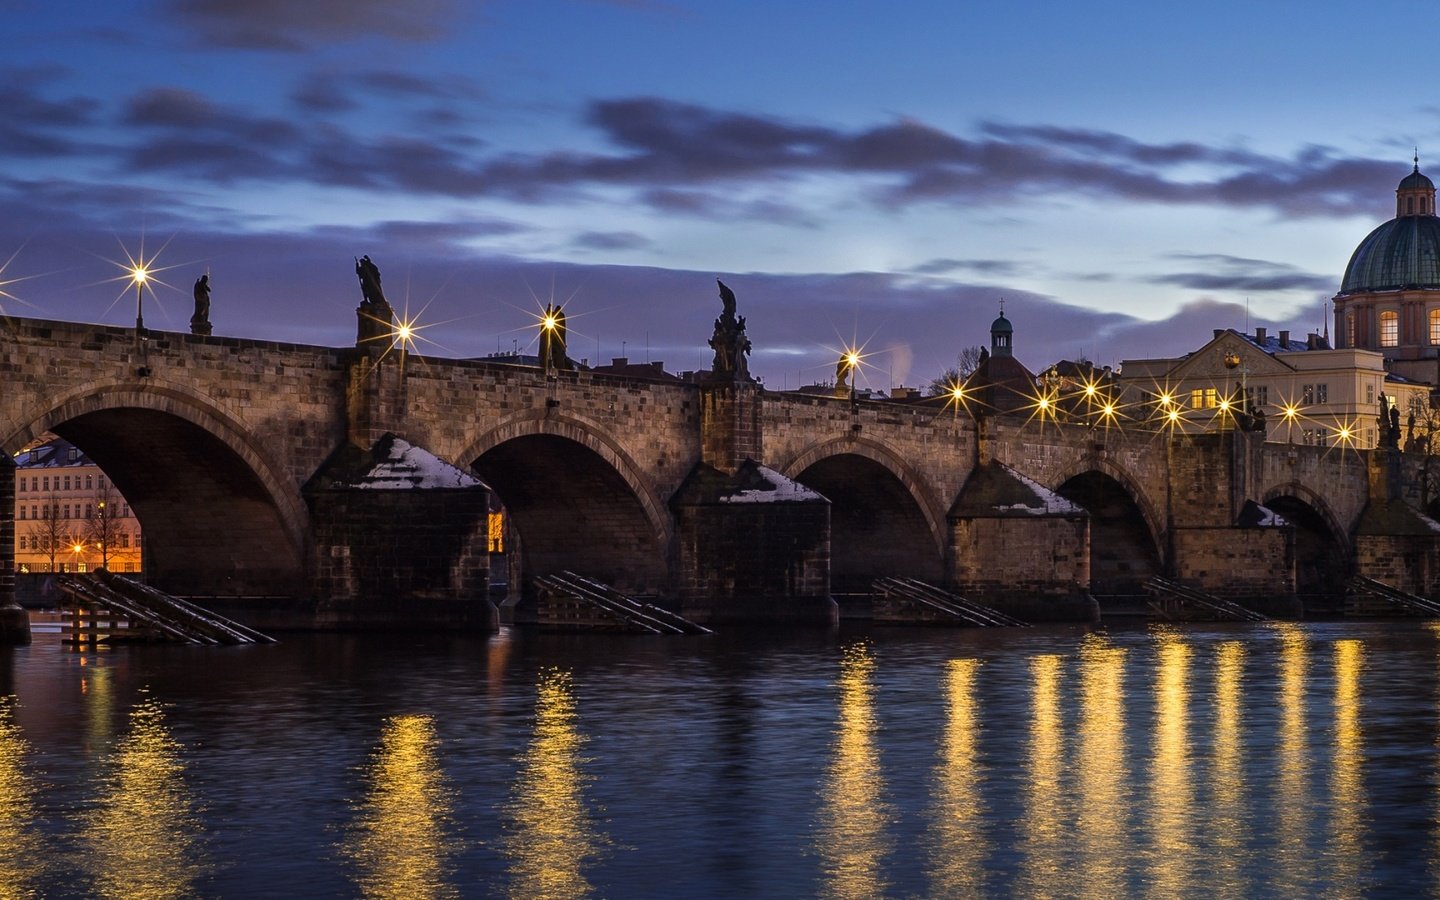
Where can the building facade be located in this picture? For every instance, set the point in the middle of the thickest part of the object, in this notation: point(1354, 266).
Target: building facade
point(1299, 391)
point(68, 516)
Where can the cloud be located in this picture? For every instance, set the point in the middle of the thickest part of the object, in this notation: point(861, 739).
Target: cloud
point(1236, 273)
point(288, 26)
point(610, 240)
point(35, 126)
point(944, 266)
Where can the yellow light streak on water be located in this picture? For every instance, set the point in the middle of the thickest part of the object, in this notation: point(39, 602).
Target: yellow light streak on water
point(1044, 832)
point(21, 852)
point(1104, 803)
point(143, 837)
point(854, 836)
point(551, 836)
point(1171, 791)
point(959, 848)
point(1347, 784)
point(1229, 821)
point(400, 845)
point(1292, 798)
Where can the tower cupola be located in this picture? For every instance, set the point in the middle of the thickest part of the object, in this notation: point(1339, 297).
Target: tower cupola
point(1416, 194)
point(1001, 333)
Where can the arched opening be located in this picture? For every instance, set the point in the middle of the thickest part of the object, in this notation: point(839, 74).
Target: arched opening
point(1322, 565)
point(569, 508)
point(211, 527)
point(877, 528)
point(1123, 552)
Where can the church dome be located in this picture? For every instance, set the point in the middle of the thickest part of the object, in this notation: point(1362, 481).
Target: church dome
point(1001, 324)
point(1402, 253)
point(1416, 180)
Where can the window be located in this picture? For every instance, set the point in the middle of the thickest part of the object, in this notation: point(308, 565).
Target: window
point(125, 540)
point(22, 512)
point(1389, 328)
point(1350, 329)
point(1307, 395)
point(47, 483)
point(67, 510)
point(22, 542)
point(89, 481)
point(1203, 399)
point(1370, 395)
point(1435, 326)
point(1409, 206)
point(1260, 396)
point(1322, 393)
point(1417, 406)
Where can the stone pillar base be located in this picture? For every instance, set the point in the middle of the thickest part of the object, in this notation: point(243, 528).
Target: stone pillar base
point(14, 626)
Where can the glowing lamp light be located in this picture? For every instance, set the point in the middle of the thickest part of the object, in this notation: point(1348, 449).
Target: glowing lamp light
point(852, 359)
point(139, 275)
point(1044, 403)
point(957, 393)
point(1225, 405)
point(1173, 416)
point(549, 323)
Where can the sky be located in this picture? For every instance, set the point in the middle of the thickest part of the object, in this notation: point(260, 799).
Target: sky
point(1125, 177)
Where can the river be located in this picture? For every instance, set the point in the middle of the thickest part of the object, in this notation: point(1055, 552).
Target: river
point(1205, 760)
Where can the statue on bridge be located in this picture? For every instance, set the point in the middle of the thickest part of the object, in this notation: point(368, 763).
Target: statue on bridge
point(729, 342)
point(200, 321)
point(552, 340)
point(369, 275)
point(1389, 423)
point(377, 319)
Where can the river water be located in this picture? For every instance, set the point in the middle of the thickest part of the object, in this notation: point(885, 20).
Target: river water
point(1206, 761)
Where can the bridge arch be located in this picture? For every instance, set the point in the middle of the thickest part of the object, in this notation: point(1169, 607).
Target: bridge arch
point(1322, 545)
point(220, 515)
point(576, 499)
point(884, 519)
point(1127, 536)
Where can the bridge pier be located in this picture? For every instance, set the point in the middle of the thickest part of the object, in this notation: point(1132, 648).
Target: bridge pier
point(14, 621)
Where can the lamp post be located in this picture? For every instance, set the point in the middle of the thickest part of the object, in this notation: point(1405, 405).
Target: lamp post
point(139, 275)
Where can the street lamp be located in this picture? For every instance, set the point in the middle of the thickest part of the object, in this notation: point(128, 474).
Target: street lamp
point(139, 275)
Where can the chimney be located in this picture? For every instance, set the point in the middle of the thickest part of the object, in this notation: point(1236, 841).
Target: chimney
point(1284, 340)
point(619, 362)
point(1259, 335)
point(1219, 331)
point(1312, 341)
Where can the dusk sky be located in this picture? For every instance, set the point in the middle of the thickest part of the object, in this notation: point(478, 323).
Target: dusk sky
point(1125, 176)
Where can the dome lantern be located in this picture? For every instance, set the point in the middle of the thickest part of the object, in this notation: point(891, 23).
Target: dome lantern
point(1416, 194)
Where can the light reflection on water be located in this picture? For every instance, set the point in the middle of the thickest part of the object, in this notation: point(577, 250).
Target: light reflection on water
point(143, 835)
point(959, 844)
point(855, 835)
point(401, 845)
point(552, 837)
point(1101, 828)
point(21, 854)
point(1229, 761)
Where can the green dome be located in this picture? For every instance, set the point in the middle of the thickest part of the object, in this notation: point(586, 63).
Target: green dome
point(1002, 324)
point(1402, 253)
point(1416, 181)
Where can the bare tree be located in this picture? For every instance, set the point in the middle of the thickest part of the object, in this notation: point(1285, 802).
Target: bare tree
point(49, 534)
point(966, 363)
point(102, 526)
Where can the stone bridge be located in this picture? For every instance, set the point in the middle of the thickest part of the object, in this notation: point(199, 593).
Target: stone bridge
point(252, 467)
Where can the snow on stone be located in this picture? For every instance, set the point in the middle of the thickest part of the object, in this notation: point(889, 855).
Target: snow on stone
point(782, 490)
point(1271, 519)
point(1051, 503)
point(409, 468)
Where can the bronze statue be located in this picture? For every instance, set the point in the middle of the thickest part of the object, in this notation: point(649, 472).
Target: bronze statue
point(200, 321)
point(369, 275)
point(729, 341)
point(727, 297)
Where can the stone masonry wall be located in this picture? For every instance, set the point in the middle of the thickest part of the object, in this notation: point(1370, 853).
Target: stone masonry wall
point(1243, 564)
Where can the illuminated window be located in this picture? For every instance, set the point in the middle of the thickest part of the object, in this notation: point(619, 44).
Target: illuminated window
point(1350, 329)
point(1204, 399)
point(1435, 326)
point(1389, 328)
